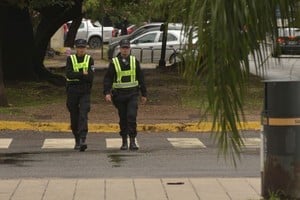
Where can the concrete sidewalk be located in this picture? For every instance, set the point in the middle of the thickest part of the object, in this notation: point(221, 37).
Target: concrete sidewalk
point(131, 189)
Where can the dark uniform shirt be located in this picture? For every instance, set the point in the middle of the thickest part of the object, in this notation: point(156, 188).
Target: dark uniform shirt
point(111, 76)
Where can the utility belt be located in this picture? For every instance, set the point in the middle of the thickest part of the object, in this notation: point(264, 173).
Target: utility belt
point(125, 91)
point(79, 87)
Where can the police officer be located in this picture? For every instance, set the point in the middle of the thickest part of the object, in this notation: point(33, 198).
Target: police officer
point(122, 82)
point(80, 74)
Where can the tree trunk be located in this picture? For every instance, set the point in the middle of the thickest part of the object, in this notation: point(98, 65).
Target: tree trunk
point(3, 97)
point(17, 51)
point(23, 54)
point(69, 42)
point(42, 39)
point(50, 23)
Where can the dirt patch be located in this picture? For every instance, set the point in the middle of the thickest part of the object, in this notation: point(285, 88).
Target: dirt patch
point(165, 103)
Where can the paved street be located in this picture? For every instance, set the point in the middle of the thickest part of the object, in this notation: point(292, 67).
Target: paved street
point(44, 154)
point(43, 165)
point(286, 68)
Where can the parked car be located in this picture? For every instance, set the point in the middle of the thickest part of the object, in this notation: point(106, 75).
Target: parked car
point(92, 33)
point(288, 42)
point(131, 28)
point(147, 47)
point(117, 32)
point(114, 42)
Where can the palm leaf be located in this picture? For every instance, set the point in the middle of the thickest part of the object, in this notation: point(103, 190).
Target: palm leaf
point(228, 32)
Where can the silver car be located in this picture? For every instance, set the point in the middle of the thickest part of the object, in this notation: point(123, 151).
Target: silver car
point(114, 42)
point(147, 47)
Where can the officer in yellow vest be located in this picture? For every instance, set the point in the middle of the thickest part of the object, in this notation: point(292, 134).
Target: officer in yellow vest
point(79, 74)
point(122, 83)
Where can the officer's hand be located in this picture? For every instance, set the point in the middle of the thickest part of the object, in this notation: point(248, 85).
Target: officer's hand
point(108, 98)
point(143, 100)
point(85, 72)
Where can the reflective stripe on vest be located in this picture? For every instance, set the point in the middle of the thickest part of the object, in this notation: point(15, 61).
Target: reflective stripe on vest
point(77, 66)
point(120, 74)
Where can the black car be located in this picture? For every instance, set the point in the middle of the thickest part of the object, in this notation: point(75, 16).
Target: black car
point(288, 42)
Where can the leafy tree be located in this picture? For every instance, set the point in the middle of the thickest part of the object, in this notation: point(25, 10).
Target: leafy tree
point(29, 26)
point(136, 12)
point(28, 41)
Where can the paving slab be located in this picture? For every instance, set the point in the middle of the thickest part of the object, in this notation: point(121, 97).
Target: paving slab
point(243, 188)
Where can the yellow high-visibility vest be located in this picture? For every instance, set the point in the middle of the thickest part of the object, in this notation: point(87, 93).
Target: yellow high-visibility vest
point(121, 73)
point(77, 66)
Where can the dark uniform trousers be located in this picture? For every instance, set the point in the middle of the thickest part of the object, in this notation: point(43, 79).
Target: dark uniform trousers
point(78, 104)
point(127, 105)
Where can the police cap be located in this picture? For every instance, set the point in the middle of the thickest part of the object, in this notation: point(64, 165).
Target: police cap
point(124, 43)
point(80, 43)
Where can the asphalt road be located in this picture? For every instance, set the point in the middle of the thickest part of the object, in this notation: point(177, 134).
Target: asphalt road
point(26, 154)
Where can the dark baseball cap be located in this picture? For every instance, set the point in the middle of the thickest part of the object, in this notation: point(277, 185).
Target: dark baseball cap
point(80, 43)
point(124, 43)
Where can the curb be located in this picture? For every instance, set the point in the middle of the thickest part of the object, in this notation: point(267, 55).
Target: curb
point(113, 127)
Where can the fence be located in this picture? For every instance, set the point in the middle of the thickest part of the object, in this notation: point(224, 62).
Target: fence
point(149, 54)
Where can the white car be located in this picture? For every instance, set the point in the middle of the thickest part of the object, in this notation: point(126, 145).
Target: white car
point(147, 47)
point(92, 33)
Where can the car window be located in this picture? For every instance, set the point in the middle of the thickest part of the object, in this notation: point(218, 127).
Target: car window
point(96, 24)
point(142, 29)
point(137, 32)
point(149, 38)
point(170, 37)
point(81, 25)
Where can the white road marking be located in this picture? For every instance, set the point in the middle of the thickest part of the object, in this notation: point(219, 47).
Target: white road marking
point(59, 143)
point(252, 142)
point(186, 142)
point(5, 142)
point(115, 143)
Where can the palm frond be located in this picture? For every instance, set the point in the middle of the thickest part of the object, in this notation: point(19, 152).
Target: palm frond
point(229, 33)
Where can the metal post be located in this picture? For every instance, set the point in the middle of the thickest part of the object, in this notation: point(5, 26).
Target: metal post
point(162, 62)
point(281, 120)
point(152, 54)
point(102, 38)
point(141, 58)
point(102, 41)
point(103, 12)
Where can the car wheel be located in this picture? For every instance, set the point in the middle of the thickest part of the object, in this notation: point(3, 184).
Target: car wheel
point(95, 42)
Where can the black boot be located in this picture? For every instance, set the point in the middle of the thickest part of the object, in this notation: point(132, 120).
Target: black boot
point(124, 143)
point(132, 145)
point(83, 145)
point(77, 143)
